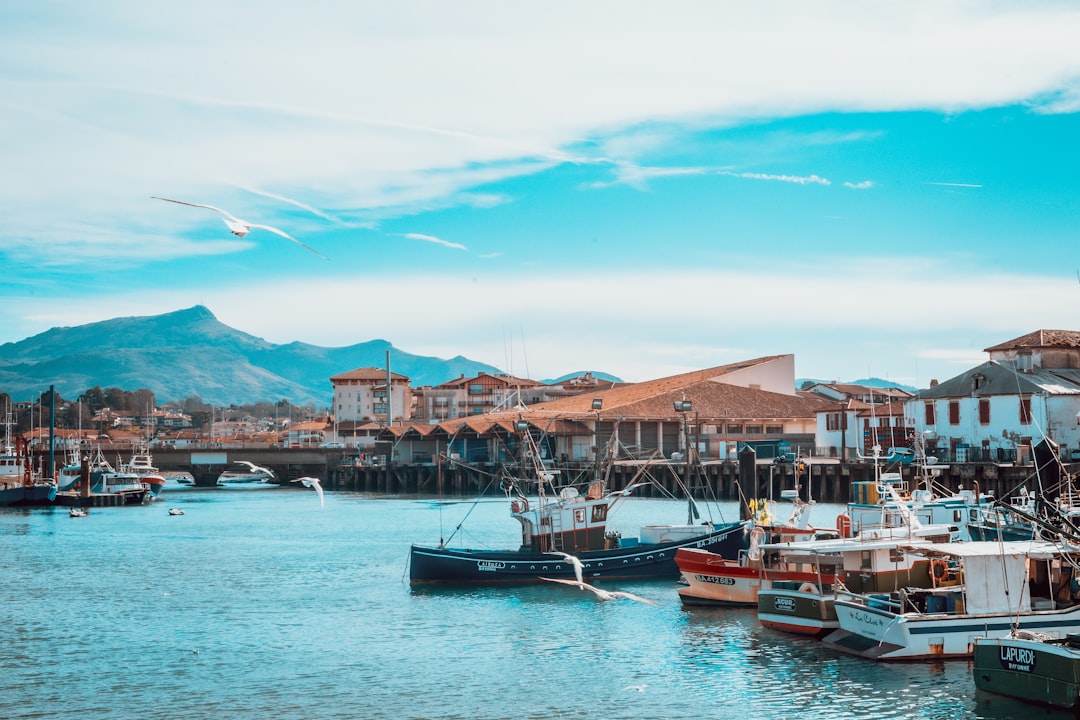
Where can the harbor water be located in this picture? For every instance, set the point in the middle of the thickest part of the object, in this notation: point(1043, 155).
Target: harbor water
point(258, 603)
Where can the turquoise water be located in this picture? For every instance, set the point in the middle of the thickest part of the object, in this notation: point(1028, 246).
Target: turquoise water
point(258, 603)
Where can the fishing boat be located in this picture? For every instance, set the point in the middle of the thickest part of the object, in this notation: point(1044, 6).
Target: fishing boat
point(714, 580)
point(142, 466)
point(990, 589)
point(870, 560)
point(1031, 667)
point(94, 480)
point(559, 521)
point(20, 484)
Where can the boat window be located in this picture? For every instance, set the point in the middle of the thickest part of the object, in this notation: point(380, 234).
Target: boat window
point(866, 559)
point(896, 556)
point(599, 513)
point(579, 515)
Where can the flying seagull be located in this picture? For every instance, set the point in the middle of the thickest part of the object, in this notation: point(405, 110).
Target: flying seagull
point(578, 567)
point(312, 483)
point(239, 227)
point(601, 593)
point(252, 467)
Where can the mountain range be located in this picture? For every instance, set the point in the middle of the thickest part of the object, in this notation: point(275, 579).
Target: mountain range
point(190, 353)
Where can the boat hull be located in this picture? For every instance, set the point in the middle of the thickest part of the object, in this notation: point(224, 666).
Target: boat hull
point(629, 561)
point(796, 611)
point(715, 581)
point(1046, 673)
point(879, 633)
point(27, 495)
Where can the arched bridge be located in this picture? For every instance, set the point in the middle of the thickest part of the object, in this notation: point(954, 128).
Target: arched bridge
point(206, 463)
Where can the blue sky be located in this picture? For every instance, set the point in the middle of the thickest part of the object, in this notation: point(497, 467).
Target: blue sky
point(642, 189)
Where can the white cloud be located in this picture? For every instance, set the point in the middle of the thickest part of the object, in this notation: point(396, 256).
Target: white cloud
point(435, 240)
point(796, 179)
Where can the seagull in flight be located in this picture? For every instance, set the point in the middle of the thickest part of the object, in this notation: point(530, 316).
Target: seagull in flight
point(601, 593)
point(312, 482)
point(578, 567)
point(252, 467)
point(239, 227)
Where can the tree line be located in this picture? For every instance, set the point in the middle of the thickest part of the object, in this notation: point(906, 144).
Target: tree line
point(141, 403)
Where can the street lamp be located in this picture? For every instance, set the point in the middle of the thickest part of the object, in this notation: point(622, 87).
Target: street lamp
point(684, 406)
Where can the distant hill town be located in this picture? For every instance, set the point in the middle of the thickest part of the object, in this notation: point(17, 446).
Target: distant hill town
point(191, 353)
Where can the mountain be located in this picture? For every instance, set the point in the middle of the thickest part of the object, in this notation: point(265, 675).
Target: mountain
point(191, 353)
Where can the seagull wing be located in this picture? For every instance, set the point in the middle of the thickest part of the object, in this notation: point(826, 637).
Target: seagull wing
point(631, 596)
point(286, 235)
point(574, 561)
point(578, 584)
point(318, 489)
point(250, 465)
point(208, 207)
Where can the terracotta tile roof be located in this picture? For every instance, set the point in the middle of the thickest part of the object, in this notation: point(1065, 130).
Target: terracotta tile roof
point(1041, 339)
point(508, 380)
point(710, 399)
point(368, 374)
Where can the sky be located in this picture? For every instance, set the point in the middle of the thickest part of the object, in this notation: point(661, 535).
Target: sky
point(881, 189)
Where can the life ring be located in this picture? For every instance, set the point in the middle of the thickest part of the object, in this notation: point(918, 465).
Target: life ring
point(939, 569)
point(808, 587)
point(843, 525)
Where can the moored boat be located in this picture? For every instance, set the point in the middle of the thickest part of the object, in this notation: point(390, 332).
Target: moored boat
point(142, 466)
point(1030, 667)
point(715, 580)
point(20, 484)
point(97, 482)
point(1000, 587)
point(559, 520)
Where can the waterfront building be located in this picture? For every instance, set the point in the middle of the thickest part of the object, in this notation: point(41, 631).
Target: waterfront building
point(997, 411)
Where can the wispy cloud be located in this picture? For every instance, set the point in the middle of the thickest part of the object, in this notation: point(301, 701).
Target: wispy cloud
point(435, 240)
point(797, 179)
point(953, 184)
point(638, 176)
point(864, 185)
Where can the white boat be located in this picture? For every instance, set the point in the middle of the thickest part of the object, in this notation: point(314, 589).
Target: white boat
point(102, 479)
point(142, 466)
point(999, 587)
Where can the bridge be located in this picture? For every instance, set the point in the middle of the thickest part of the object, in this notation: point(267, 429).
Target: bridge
point(206, 463)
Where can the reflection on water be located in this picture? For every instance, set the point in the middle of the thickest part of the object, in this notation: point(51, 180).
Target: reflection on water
point(260, 604)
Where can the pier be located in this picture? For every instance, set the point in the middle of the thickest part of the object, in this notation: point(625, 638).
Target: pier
point(823, 480)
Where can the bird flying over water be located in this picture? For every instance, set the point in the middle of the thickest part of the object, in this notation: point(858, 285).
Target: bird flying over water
point(239, 227)
point(252, 467)
point(312, 483)
point(601, 593)
point(578, 567)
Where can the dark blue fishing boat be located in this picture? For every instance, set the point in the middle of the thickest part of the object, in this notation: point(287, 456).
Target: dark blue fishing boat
point(561, 527)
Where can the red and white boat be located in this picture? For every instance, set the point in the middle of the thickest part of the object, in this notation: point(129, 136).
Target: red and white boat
point(712, 580)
